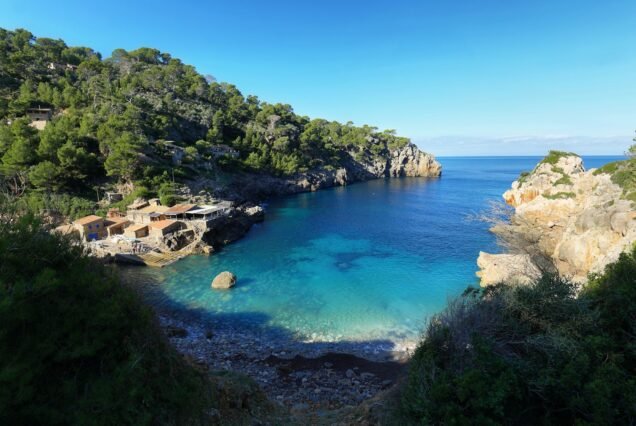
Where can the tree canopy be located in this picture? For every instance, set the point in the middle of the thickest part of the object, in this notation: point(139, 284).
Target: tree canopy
point(108, 114)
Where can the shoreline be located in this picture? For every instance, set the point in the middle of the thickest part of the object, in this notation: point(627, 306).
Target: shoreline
point(302, 376)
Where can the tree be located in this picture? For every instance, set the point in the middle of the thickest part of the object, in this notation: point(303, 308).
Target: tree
point(45, 175)
point(75, 162)
point(123, 159)
point(23, 140)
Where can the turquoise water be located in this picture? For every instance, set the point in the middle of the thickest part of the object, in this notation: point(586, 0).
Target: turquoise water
point(369, 261)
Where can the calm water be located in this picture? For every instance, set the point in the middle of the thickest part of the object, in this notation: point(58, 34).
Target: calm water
point(368, 261)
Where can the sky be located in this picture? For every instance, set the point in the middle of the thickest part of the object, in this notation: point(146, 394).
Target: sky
point(459, 77)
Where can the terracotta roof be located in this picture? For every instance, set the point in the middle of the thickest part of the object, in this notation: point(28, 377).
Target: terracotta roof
point(153, 209)
point(179, 208)
point(149, 209)
point(163, 224)
point(88, 219)
point(115, 221)
point(136, 227)
point(137, 205)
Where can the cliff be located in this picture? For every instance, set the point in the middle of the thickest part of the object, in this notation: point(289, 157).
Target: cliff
point(405, 161)
point(566, 220)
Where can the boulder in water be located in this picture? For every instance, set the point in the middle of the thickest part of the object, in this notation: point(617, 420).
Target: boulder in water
point(224, 280)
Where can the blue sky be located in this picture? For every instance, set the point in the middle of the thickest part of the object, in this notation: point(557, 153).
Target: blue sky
point(458, 77)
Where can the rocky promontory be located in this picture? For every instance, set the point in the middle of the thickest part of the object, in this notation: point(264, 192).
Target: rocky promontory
point(357, 166)
point(566, 220)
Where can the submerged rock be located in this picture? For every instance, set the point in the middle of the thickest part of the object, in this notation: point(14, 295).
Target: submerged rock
point(224, 280)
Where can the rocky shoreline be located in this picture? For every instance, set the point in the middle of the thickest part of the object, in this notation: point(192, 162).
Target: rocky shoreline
point(303, 377)
point(407, 161)
point(566, 220)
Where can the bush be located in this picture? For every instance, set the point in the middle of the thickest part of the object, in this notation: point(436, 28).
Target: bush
point(72, 207)
point(167, 195)
point(530, 354)
point(76, 346)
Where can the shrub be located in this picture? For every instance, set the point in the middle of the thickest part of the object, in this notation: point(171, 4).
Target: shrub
point(76, 346)
point(560, 196)
point(623, 174)
point(536, 354)
point(563, 180)
point(553, 157)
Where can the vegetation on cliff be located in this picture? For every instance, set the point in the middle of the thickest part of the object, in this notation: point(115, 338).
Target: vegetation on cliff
point(542, 353)
point(623, 174)
point(112, 118)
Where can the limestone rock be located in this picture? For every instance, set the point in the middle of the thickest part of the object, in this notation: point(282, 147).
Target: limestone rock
point(576, 219)
point(506, 268)
point(225, 280)
point(410, 161)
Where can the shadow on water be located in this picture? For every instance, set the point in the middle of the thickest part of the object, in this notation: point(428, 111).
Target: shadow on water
point(275, 343)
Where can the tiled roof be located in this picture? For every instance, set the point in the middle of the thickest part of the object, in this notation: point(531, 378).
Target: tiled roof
point(163, 224)
point(179, 208)
point(136, 227)
point(88, 219)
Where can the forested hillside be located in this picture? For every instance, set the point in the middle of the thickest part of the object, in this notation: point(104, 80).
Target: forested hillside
point(111, 120)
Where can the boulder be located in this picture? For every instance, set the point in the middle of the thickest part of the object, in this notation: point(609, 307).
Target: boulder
point(224, 280)
point(506, 268)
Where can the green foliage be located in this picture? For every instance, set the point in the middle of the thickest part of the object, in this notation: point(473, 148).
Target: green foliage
point(72, 207)
point(523, 177)
point(553, 157)
point(109, 110)
point(623, 174)
point(560, 195)
point(167, 194)
point(77, 347)
point(18, 143)
point(564, 180)
point(537, 354)
point(45, 175)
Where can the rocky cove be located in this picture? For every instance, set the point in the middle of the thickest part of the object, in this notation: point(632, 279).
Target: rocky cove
point(302, 374)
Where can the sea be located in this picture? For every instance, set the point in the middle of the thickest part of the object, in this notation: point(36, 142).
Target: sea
point(371, 261)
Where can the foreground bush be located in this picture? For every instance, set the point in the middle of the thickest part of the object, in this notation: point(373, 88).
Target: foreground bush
point(538, 354)
point(77, 347)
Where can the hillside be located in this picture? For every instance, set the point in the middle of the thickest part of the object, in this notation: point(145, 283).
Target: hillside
point(72, 122)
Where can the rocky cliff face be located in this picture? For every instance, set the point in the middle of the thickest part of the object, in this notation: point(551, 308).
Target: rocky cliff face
point(404, 161)
point(566, 220)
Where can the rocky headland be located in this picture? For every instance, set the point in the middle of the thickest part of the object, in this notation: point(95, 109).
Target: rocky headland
point(566, 220)
point(358, 166)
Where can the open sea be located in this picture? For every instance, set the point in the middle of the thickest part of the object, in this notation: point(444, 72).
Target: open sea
point(365, 262)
